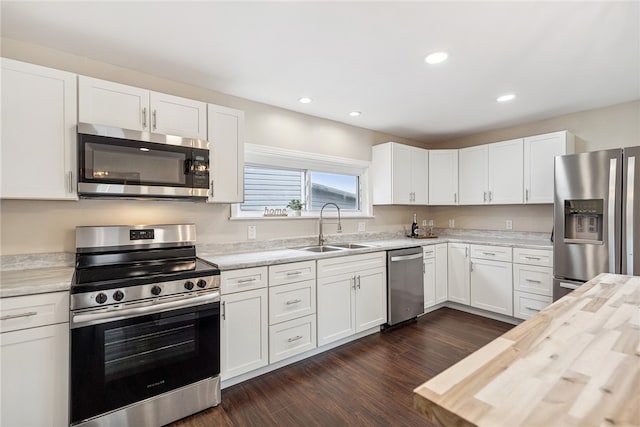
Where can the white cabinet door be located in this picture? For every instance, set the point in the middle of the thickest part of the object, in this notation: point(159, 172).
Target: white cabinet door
point(39, 118)
point(443, 177)
point(429, 280)
point(458, 272)
point(336, 307)
point(473, 175)
point(491, 286)
point(441, 281)
point(226, 139)
point(113, 104)
point(371, 298)
point(399, 174)
point(420, 176)
point(505, 172)
point(35, 376)
point(173, 115)
point(539, 154)
point(402, 176)
point(244, 344)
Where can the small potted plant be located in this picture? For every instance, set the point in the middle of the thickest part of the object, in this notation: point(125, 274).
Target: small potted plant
point(296, 206)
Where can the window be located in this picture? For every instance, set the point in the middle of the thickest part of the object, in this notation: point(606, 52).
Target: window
point(273, 177)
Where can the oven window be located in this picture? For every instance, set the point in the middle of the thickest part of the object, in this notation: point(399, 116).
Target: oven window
point(149, 345)
point(112, 163)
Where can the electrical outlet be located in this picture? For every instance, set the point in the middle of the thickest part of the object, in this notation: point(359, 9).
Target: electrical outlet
point(251, 232)
point(424, 222)
point(361, 227)
point(452, 223)
point(509, 225)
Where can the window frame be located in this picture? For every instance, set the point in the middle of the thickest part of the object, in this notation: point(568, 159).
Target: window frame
point(274, 157)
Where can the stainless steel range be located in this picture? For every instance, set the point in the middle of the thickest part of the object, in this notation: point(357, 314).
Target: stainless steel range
point(145, 327)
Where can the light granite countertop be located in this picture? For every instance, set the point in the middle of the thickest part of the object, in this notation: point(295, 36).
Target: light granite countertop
point(54, 271)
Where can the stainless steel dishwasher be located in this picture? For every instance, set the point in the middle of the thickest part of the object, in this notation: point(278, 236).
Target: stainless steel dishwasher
point(405, 286)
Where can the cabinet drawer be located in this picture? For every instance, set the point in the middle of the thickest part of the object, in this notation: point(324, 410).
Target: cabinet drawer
point(291, 301)
point(429, 251)
point(351, 263)
point(292, 272)
point(540, 257)
point(244, 279)
point(30, 311)
point(495, 253)
point(293, 337)
point(532, 278)
point(526, 305)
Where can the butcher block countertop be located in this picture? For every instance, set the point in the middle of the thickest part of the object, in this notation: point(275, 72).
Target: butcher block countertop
point(576, 363)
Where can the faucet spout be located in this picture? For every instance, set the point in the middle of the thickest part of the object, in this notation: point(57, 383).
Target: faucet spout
point(321, 238)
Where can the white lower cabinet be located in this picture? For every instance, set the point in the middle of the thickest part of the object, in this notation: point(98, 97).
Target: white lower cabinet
point(435, 274)
point(526, 304)
point(293, 337)
point(244, 329)
point(532, 281)
point(458, 273)
point(352, 295)
point(34, 360)
point(491, 286)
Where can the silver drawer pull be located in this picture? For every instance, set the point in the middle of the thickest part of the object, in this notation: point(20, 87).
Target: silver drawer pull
point(294, 301)
point(428, 252)
point(253, 279)
point(533, 281)
point(533, 257)
point(17, 316)
point(489, 253)
point(532, 309)
point(293, 273)
point(296, 338)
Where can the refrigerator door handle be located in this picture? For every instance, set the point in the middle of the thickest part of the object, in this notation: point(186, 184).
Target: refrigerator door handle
point(631, 166)
point(611, 214)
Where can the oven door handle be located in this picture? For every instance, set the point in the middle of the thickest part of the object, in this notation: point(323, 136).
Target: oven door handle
point(93, 318)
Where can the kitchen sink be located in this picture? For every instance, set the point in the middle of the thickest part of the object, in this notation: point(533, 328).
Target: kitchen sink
point(350, 245)
point(324, 248)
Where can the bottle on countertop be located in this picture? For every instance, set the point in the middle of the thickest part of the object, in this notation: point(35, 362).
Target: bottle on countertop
point(414, 226)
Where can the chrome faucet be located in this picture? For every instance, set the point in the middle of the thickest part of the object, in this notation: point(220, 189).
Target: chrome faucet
point(320, 235)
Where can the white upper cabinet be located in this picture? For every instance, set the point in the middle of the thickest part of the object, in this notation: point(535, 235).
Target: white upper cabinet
point(443, 177)
point(226, 143)
point(399, 174)
point(113, 104)
point(491, 173)
point(539, 154)
point(473, 175)
point(38, 149)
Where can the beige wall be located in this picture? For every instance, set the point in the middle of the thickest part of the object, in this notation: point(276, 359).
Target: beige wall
point(48, 226)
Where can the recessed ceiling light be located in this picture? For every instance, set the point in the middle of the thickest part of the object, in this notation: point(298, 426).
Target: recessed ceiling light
point(506, 97)
point(305, 100)
point(436, 57)
point(355, 113)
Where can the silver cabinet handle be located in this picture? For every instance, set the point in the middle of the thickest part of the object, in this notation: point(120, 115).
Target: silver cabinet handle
point(428, 252)
point(293, 273)
point(155, 119)
point(241, 281)
point(293, 301)
point(455, 197)
point(424, 267)
point(484, 197)
point(224, 310)
point(526, 195)
point(532, 309)
point(212, 187)
point(296, 338)
point(533, 257)
point(631, 174)
point(352, 281)
point(532, 281)
point(490, 195)
point(70, 181)
point(489, 253)
point(358, 281)
point(18, 316)
point(471, 266)
point(144, 118)
point(613, 166)
point(466, 252)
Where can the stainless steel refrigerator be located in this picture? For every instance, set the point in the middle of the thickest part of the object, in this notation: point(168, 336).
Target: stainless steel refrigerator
point(596, 216)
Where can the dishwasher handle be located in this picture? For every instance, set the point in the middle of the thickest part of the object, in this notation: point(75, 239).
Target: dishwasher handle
point(406, 257)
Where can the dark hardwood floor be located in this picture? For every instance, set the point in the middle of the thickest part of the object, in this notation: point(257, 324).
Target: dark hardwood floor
point(368, 382)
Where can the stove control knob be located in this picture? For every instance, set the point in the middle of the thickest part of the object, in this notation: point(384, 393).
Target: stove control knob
point(156, 290)
point(118, 295)
point(188, 285)
point(202, 283)
point(101, 298)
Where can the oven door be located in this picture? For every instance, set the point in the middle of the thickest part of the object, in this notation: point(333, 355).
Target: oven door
point(118, 363)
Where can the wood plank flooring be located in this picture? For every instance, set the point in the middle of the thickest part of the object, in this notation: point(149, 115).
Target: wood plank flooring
point(368, 382)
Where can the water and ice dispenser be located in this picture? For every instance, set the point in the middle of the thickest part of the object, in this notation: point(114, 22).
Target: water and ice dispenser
point(583, 221)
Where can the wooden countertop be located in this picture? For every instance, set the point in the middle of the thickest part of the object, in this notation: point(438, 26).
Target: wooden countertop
point(576, 363)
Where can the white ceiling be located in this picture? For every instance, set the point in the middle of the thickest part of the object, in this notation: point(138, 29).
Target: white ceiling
point(557, 57)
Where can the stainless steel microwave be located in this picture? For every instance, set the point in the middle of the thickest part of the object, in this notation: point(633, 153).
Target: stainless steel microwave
point(114, 162)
